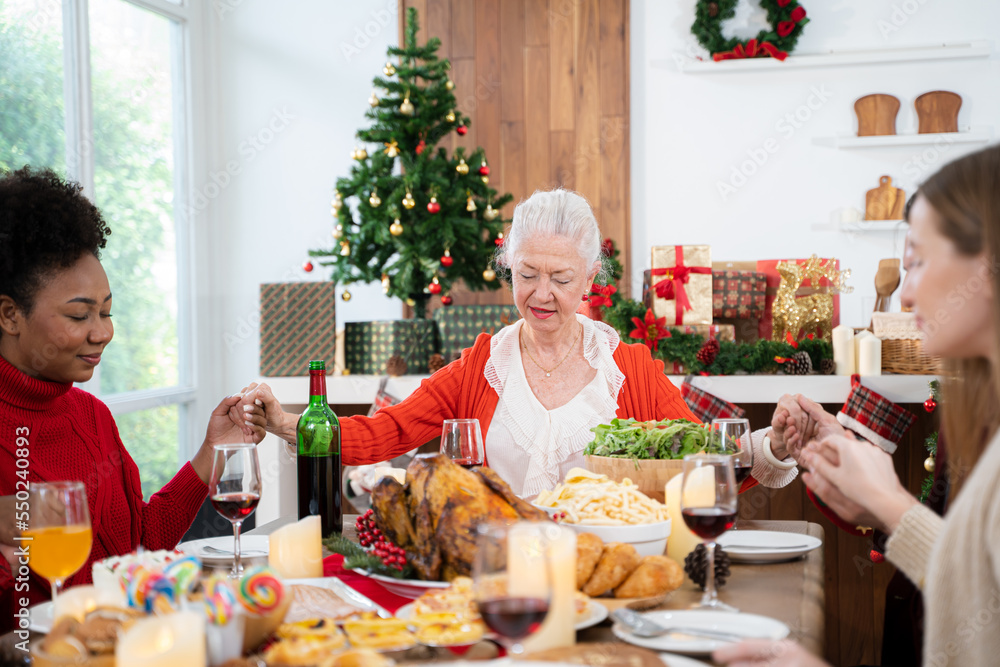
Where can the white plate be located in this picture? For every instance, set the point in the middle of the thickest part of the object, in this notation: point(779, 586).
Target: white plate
point(406, 588)
point(671, 660)
point(748, 625)
point(41, 617)
point(251, 546)
point(598, 612)
point(344, 592)
point(766, 546)
point(668, 659)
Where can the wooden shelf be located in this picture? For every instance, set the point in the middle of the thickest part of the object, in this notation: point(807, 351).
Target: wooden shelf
point(913, 54)
point(976, 135)
point(861, 226)
point(360, 389)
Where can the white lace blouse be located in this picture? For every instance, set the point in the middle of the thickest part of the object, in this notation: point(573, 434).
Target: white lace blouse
point(530, 447)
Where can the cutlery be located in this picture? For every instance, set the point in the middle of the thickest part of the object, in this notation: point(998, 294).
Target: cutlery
point(642, 626)
point(229, 552)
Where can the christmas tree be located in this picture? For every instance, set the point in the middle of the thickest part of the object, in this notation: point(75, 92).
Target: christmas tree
point(421, 220)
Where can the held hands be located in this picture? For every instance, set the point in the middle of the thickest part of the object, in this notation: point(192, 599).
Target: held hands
point(766, 653)
point(224, 428)
point(797, 421)
point(857, 481)
point(276, 420)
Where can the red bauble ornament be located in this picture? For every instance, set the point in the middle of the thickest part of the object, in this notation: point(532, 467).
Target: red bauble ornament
point(307, 267)
point(447, 260)
point(420, 147)
point(435, 288)
point(484, 170)
point(461, 129)
point(446, 300)
point(433, 206)
point(930, 404)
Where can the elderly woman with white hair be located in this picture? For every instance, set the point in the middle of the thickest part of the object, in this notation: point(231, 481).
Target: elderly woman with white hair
point(537, 386)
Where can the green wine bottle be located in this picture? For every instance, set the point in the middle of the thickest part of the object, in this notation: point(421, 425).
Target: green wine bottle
point(319, 469)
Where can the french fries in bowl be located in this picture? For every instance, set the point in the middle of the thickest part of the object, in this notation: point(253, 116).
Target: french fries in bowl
point(589, 502)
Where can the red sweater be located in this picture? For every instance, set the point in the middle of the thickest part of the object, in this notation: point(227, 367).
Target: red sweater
point(460, 390)
point(72, 436)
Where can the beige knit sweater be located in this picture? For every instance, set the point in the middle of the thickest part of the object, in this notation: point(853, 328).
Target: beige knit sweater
point(956, 563)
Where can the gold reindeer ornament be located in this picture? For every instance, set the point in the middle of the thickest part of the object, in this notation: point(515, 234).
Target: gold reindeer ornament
point(812, 314)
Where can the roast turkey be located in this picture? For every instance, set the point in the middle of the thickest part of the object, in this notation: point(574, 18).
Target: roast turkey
point(435, 513)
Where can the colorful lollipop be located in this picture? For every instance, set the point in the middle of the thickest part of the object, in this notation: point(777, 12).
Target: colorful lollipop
point(136, 578)
point(160, 594)
point(185, 573)
point(220, 600)
point(261, 591)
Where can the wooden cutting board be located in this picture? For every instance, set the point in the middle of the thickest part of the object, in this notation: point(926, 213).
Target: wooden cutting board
point(876, 114)
point(938, 111)
point(884, 202)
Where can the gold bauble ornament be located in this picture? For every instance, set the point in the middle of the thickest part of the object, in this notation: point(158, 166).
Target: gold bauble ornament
point(396, 228)
point(489, 275)
point(490, 214)
point(359, 154)
point(392, 148)
point(929, 464)
point(345, 248)
point(375, 200)
point(373, 99)
point(486, 180)
point(345, 295)
point(406, 107)
point(411, 303)
point(461, 167)
point(337, 203)
point(470, 205)
point(449, 84)
point(408, 201)
point(354, 153)
point(450, 117)
point(389, 69)
point(338, 231)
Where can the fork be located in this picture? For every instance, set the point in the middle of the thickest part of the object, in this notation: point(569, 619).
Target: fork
point(642, 626)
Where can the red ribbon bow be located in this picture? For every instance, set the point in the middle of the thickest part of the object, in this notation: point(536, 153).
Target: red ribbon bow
point(751, 50)
point(677, 276)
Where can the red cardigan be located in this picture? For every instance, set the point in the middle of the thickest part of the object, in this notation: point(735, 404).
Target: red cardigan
point(72, 436)
point(460, 390)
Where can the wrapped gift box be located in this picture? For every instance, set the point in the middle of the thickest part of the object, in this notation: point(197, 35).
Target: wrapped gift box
point(738, 295)
point(297, 325)
point(368, 345)
point(682, 283)
point(458, 326)
point(769, 268)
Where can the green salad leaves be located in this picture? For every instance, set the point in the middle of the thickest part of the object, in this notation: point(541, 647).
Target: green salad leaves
point(667, 439)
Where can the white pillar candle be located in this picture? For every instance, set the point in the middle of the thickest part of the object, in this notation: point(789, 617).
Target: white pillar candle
point(870, 356)
point(843, 349)
point(858, 337)
point(700, 491)
point(295, 551)
point(559, 628)
point(164, 641)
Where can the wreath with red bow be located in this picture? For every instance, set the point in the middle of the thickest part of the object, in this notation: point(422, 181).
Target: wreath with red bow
point(786, 18)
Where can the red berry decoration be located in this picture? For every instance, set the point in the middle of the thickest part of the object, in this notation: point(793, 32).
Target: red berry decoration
point(708, 352)
point(876, 556)
point(370, 536)
point(930, 404)
point(447, 260)
point(446, 300)
point(484, 170)
point(435, 288)
point(461, 129)
point(307, 267)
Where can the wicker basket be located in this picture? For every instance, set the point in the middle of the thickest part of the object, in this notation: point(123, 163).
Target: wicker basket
point(907, 357)
point(650, 475)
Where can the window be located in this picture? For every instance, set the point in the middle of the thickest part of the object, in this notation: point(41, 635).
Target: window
point(95, 89)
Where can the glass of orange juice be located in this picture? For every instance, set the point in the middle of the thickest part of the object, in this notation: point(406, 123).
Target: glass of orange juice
point(59, 530)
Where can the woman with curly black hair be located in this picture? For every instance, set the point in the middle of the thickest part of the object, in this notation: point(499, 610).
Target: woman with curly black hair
point(55, 321)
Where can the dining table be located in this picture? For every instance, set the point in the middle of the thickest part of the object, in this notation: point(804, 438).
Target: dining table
point(791, 592)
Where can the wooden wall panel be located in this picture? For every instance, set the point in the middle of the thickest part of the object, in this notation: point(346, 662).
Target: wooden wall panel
point(545, 85)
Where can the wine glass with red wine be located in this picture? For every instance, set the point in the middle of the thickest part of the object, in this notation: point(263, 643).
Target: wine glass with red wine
point(732, 436)
point(708, 505)
point(234, 489)
point(512, 580)
point(462, 442)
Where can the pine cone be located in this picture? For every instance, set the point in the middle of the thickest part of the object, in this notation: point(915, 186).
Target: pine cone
point(799, 364)
point(396, 365)
point(696, 562)
point(827, 367)
point(435, 363)
point(708, 352)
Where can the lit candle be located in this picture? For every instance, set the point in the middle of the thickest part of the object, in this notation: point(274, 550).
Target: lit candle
point(559, 628)
point(843, 349)
point(164, 641)
point(296, 551)
point(870, 355)
point(700, 491)
point(76, 602)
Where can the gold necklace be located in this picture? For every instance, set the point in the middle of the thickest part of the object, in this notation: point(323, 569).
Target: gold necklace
point(548, 372)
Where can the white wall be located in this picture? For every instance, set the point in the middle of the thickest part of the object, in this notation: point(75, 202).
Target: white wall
point(691, 131)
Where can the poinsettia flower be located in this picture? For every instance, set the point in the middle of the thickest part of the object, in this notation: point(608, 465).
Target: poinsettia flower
point(600, 295)
point(650, 330)
point(608, 247)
